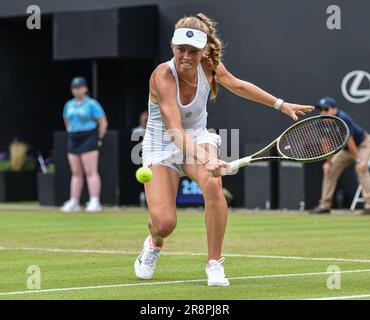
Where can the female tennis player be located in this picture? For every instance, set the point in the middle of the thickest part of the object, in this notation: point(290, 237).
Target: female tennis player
point(86, 123)
point(177, 142)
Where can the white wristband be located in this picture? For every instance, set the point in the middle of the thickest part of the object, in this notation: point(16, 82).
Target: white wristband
point(278, 103)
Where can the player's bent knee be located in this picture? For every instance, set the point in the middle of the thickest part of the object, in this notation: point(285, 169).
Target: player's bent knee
point(212, 189)
point(164, 227)
point(164, 230)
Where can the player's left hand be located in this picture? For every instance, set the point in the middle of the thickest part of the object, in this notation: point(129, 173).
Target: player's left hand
point(216, 166)
point(295, 110)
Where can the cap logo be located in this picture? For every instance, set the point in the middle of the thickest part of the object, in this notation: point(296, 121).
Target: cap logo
point(189, 34)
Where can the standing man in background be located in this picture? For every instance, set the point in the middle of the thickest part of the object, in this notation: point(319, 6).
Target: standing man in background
point(139, 131)
point(138, 135)
point(358, 149)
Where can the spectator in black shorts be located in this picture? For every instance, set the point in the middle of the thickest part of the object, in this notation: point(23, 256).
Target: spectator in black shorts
point(86, 125)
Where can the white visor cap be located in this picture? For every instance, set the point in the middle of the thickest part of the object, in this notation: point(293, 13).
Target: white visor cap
point(191, 37)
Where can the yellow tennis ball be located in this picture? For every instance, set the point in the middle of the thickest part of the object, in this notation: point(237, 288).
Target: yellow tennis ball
point(144, 174)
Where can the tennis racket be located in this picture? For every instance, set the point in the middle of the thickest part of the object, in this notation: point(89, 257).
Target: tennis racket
point(309, 140)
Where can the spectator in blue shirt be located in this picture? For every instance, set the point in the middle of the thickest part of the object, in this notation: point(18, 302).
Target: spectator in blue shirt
point(358, 149)
point(86, 125)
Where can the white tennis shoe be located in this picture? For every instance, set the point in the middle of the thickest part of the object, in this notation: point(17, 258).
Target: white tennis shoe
point(70, 206)
point(147, 260)
point(93, 206)
point(216, 274)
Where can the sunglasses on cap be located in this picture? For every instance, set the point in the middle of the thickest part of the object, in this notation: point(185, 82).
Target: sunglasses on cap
point(325, 109)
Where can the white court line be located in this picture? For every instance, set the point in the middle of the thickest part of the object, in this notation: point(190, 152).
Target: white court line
point(174, 282)
point(97, 251)
point(343, 297)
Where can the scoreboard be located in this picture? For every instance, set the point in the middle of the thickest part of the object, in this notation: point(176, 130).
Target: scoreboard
point(189, 194)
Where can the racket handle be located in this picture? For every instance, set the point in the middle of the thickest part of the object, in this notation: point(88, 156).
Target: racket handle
point(235, 165)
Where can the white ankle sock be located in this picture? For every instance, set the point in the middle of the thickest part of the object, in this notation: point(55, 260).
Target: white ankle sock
point(75, 201)
point(94, 200)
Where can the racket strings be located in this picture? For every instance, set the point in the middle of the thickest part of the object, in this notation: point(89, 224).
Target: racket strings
point(314, 138)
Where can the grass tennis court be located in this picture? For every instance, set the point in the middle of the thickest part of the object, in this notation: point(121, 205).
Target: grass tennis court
point(268, 256)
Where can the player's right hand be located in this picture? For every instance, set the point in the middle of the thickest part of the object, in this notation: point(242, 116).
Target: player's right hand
point(215, 166)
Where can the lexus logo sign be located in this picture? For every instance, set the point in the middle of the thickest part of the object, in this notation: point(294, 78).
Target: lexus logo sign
point(356, 86)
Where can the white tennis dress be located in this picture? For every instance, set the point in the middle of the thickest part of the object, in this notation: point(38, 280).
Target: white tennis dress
point(158, 149)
